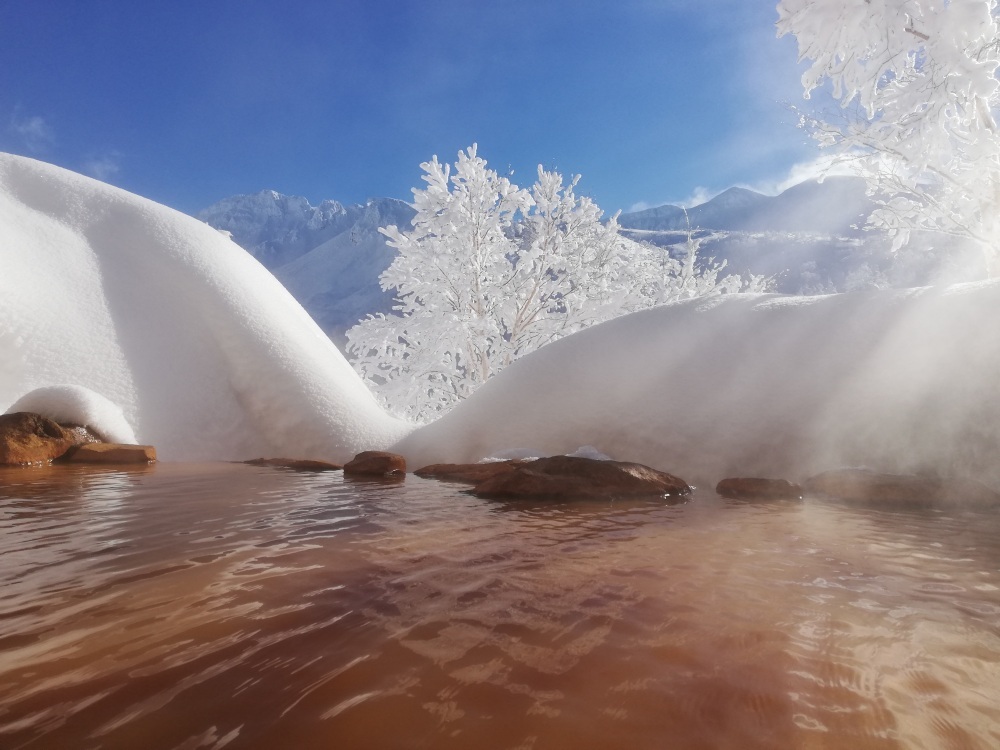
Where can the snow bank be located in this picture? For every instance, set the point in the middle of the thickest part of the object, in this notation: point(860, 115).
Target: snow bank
point(109, 301)
point(755, 385)
point(205, 353)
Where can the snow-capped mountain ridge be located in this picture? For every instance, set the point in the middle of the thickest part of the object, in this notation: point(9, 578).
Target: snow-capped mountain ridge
point(809, 238)
point(328, 256)
point(277, 228)
point(836, 206)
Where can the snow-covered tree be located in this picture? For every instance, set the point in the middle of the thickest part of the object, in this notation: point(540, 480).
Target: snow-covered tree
point(685, 273)
point(917, 85)
point(449, 277)
point(570, 271)
point(490, 272)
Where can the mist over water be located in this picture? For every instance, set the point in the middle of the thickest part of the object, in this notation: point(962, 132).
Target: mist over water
point(210, 606)
point(900, 381)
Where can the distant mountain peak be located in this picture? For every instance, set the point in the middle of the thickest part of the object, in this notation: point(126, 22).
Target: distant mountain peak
point(274, 227)
point(330, 256)
point(832, 206)
point(737, 193)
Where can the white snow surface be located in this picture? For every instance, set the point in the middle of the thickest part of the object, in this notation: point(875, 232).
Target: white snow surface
point(74, 404)
point(755, 385)
point(111, 301)
point(205, 353)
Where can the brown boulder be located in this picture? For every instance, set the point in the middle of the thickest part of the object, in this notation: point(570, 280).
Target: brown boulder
point(468, 473)
point(901, 490)
point(754, 488)
point(110, 453)
point(27, 438)
point(576, 478)
point(299, 464)
point(376, 464)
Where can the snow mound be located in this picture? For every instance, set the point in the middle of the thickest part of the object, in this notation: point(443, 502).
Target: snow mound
point(74, 404)
point(755, 385)
point(206, 354)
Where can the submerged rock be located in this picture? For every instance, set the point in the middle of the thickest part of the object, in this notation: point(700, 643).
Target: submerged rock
point(298, 464)
point(469, 473)
point(110, 453)
point(28, 438)
point(901, 490)
point(376, 464)
point(576, 478)
point(755, 488)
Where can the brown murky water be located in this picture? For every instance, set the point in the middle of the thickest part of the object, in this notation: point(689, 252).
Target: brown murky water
point(210, 606)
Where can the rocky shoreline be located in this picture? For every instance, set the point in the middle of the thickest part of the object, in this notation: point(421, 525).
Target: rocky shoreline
point(29, 439)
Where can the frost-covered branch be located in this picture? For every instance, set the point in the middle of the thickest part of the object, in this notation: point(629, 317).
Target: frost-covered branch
point(490, 272)
point(920, 78)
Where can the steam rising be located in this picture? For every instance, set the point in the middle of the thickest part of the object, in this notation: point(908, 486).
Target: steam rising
point(763, 385)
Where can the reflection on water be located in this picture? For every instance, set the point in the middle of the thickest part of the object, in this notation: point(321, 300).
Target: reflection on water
point(187, 606)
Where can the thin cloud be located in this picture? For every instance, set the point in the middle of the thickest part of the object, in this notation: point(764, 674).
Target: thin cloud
point(640, 206)
point(103, 167)
point(698, 196)
point(35, 133)
point(813, 169)
point(822, 166)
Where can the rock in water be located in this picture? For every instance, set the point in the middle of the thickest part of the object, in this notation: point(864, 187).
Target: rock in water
point(901, 490)
point(27, 438)
point(376, 464)
point(754, 488)
point(468, 473)
point(575, 478)
point(110, 453)
point(298, 464)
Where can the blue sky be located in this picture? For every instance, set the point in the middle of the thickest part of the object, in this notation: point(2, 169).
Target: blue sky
point(652, 101)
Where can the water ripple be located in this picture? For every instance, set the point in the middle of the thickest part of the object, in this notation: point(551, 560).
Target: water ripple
point(246, 607)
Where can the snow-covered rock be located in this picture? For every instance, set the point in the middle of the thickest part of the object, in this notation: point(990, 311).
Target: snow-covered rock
point(204, 352)
point(755, 385)
point(76, 405)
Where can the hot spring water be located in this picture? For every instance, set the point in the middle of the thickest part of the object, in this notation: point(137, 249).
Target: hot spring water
point(211, 606)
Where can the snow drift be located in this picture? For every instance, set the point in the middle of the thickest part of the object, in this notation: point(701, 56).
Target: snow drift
point(128, 313)
point(755, 385)
point(205, 353)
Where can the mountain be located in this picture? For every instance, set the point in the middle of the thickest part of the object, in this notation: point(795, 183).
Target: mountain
point(276, 228)
point(837, 205)
point(659, 218)
point(809, 239)
point(328, 256)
